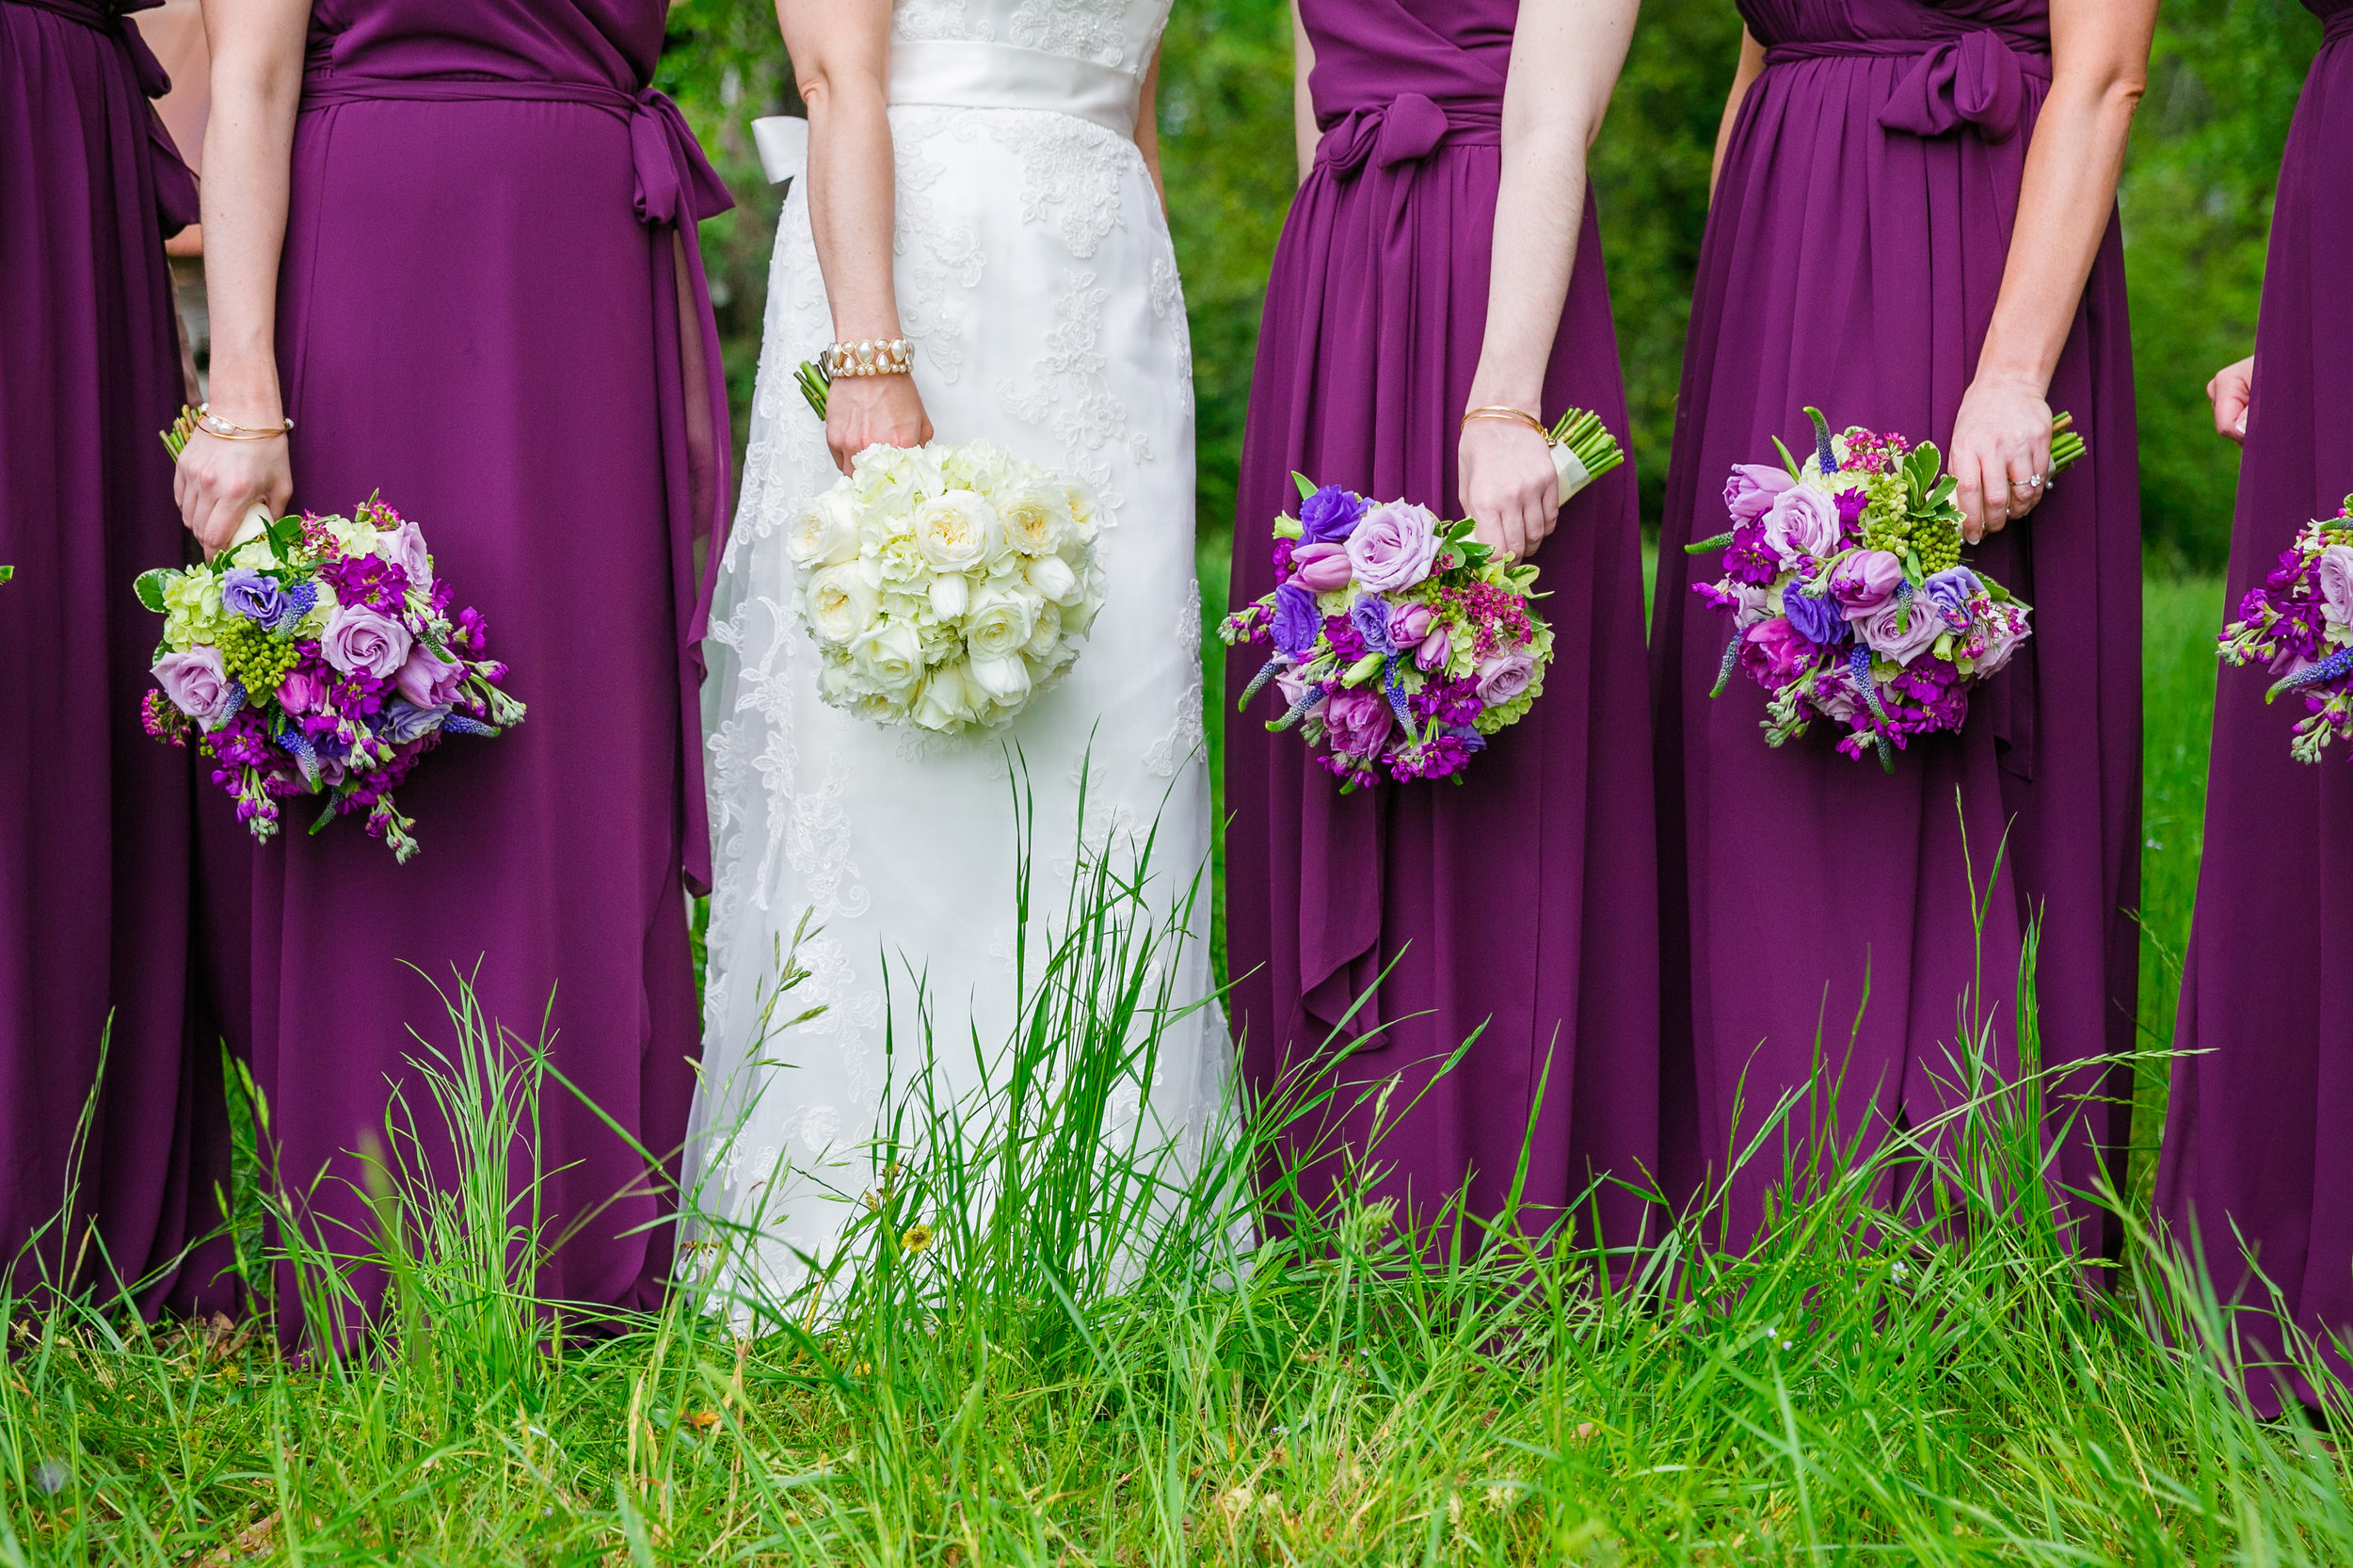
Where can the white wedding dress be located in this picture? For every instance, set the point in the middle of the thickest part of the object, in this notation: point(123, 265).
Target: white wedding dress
point(1037, 284)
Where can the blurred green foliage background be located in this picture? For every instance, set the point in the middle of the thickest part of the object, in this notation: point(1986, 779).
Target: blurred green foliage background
point(2196, 203)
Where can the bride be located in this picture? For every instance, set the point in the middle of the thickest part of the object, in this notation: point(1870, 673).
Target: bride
point(982, 183)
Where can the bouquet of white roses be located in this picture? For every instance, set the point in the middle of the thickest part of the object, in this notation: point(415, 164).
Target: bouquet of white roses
point(945, 584)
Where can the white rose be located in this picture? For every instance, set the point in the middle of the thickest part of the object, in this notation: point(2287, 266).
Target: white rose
point(1080, 500)
point(1048, 632)
point(998, 623)
point(1079, 611)
point(944, 702)
point(1051, 576)
point(978, 465)
point(840, 603)
point(1036, 518)
point(1006, 681)
point(837, 685)
point(955, 531)
point(951, 592)
point(889, 659)
point(827, 532)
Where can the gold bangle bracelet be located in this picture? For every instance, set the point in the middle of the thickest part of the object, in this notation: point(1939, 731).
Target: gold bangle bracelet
point(1518, 416)
point(213, 425)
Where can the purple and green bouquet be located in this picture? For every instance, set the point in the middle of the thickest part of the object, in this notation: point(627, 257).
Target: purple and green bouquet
point(2299, 625)
point(319, 656)
point(1847, 598)
point(1400, 643)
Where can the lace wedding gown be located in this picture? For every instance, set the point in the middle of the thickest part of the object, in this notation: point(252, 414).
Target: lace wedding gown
point(1036, 281)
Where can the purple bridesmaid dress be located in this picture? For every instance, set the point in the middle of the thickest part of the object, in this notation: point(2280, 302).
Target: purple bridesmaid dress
point(2257, 1152)
point(1815, 907)
point(94, 816)
point(480, 313)
point(1520, 905)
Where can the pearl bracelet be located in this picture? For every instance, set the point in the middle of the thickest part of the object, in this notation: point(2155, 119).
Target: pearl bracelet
point(213, 425)
point(870, 356)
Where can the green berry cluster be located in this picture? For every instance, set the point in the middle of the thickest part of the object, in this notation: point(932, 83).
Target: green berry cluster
point(255, 658)
point(1938, 541)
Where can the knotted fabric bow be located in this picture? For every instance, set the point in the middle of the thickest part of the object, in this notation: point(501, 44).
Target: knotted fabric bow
point(1406, 129)
point(675, 182)
point(1976, 79)
point(176, 204)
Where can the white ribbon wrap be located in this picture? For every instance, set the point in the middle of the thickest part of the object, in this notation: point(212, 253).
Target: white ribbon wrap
point(1572, 476)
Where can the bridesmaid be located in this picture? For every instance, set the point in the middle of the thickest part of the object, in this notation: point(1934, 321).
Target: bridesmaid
point(94, 816)
point(457, 246)
point(1442, 256)
point(1914, 228)
point(2256, 1160)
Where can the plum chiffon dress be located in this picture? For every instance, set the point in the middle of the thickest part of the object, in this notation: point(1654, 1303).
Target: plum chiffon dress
point(492, 310)
point(2258, 1166)
point(1519, 907)
point(1820, 912)
point(94, 816)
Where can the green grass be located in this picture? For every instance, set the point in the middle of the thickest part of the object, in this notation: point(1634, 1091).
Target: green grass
point(1047, 1341)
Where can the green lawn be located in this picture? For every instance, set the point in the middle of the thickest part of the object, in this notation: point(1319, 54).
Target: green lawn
point(1044, 1349)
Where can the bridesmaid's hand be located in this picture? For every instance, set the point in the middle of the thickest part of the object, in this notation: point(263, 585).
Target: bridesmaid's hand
point(2230, 391)
point(874, 410)
point(218, 482)
point(1509, 485)
point(2001, 453)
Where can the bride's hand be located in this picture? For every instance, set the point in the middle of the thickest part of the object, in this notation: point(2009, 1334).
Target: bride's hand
point(1509, 485)
point(218, 482)
point(874, 410)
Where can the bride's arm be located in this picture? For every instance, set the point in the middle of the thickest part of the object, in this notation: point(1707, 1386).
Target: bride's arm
point(1149, 128)
point(1566, 56)
point(841, 53)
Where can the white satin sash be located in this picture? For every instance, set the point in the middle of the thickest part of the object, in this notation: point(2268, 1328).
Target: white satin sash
point(956, 73)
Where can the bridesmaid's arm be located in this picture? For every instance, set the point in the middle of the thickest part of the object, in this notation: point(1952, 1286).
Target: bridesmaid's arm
point(1149, 128)
point(1566, 56)
point(1303, 103)
point(1752, 66)
point(840, 54)
point(2002, 435)
point(2230, 392)
point(257, 48)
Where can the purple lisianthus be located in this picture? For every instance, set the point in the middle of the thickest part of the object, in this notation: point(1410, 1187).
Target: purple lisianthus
point(1329, 516)
point(1864, 580)
point(1392, 546)
point(1296, 622)
point(198, 685)
point(1357, 723)
point(360, 641)
point(1369, 616)
point(256, 596)
point(1818, 620)
point(1322, 567)
point(405, 721)
point(1801, 521)
point(1950, 592)
point(1753, 488)
point(427, 680)
point(1506, 677)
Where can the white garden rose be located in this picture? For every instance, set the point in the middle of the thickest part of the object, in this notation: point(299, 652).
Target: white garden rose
point(1000, 622)
point(1046, 630)
point(827, 532)
point(979, 465)
point(1051, 577)
point(840, 603)
point(1081, 502)
point(1036, 520)
point(1004, 681)
point(944, 703)
point(889, 659)
point(956, 531)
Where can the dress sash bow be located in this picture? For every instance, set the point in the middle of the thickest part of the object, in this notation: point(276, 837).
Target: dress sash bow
point(1405, 130)
point(176, 202)
point(1976, 79)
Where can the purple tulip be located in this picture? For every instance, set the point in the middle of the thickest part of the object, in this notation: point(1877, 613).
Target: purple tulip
point(1864, 580)
point(360, 641)
point(1321, 568)
point(1751, 488)
point(427, 680)
point(301, 692)
point(1409, 624)
point(1436, 650)
point(1357, 723)
point(198, 685)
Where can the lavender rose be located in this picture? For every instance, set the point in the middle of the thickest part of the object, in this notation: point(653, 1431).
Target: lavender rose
point(1357, 723)
point(1818, 620)
point(2332, 574)
point(404, 548)
point(1296, 622)
point(198, 685)
point(1865, 580)
point(1321, 569)
point(1392, 546)
point(360, 641)
point(1903, 644)
point(427, 680)
point(1801, 521)
point(1994, 638)
point(1505, 677)
point(1329, 516)
point(1753, 488)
